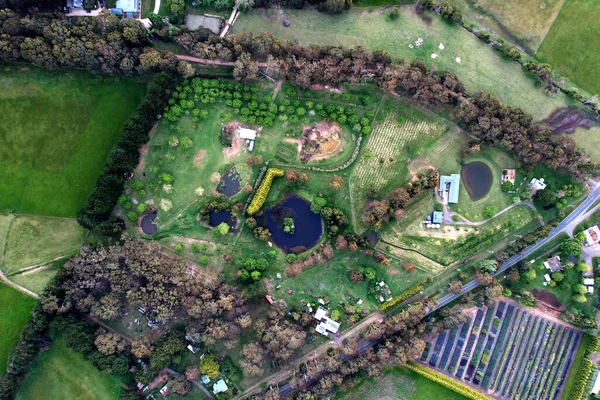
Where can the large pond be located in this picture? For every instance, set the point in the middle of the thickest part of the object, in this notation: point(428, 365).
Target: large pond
point(308, 226)
point(477, 177)
point(148, 226)
point(230, 183)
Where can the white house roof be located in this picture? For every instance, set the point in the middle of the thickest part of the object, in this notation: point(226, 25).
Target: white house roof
point(246, 133)
point(538, 183)
point(588, 281)
point(590, 289)
point(328, 325)
point(596, 388)
point(220, 387)
point(320, 314)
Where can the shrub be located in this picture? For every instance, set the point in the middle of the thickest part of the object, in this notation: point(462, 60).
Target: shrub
point(489, 211)
point(142, 208)
point(132, 216)
point(401, 297)
point(263, 190)
point(394, 13)
point(136, 184)
point(439, 207)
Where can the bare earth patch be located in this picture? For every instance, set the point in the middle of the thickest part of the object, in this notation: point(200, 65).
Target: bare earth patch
point(565, 120)
point(322, 141)
point(199, 157)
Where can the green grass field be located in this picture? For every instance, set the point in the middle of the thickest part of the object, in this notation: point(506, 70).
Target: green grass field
point(15, 310)
point(579, 357)
point(34, 240)
point(480, 68)
point(61, 373)
point(57, 130)
point(399, 384)
point(526, 20)
point(589, 141)
point(497, 160)
point(572, 43)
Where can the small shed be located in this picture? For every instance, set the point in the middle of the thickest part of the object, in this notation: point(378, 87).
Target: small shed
point(538, 184)
point(592, 235)
point(547, 278)
point(437, 217)
point(246, 133)
point(205, 379)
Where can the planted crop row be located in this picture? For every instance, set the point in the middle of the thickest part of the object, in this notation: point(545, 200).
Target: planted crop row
point(507, 321)
point(447, 382)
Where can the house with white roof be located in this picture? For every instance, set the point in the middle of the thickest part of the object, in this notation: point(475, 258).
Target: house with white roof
point(249, 135)
point(326, 325)
point(220, 387)
point(538, 184)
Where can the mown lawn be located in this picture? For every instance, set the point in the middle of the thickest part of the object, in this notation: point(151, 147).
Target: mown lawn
point(572, 44)
point(34, 240)
point(526, 20)
point(579, 357)
point(15, 311)
point(57, 130)
point(496, 160)
point(399, 384)
point(588, 141)
point(480, 67)
point(61, 373)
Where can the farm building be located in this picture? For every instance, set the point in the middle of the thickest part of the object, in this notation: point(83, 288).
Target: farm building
point(592, 235)
point(537, 184)
point(449, 186)
point(553, 264)
point(249, 135)
point(220, 387)
point(509, 175)
point(437, 217)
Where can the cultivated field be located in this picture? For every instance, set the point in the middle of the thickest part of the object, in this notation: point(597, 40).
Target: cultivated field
point(57, 130)
point(526, 20)
point(507, 351)
point(480, 67)
point(15, 310)
point(61, 373)
point(572, 43)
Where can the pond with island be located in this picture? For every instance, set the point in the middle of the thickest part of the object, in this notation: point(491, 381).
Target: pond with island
point(218, 217)
point(308, 226)
point(477, 178)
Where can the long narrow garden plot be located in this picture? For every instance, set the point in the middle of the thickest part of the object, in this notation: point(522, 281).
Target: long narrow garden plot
point(506, 352)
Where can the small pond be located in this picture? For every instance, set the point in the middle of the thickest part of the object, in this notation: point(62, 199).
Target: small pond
point(308, 226)
point(231, 183)
point(477, 177)
point(218, 217)
point(148, 226)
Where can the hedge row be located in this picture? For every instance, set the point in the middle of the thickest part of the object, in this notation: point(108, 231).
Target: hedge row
point(585, 371)
point(125, 157)
point(446, 381)
point(263, 190)
point(401, 297)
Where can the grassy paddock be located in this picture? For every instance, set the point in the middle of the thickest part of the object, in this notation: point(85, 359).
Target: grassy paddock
point(497, 160)
point(579, 357)
point(399, 383)
point(481, 68)
point(525, 20)
point(61, 373)
point(15, 310)
point(34, 240)
point(57, 130)
point(572, 43)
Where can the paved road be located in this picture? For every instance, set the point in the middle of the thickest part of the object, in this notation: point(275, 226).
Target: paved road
point(563, 226)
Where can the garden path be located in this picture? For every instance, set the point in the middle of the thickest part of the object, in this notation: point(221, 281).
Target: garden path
point(449, 214)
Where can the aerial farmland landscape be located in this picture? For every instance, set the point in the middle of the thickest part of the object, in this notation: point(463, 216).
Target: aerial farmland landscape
point(290, 199)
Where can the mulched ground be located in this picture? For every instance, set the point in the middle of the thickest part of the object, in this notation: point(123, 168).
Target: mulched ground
point(565, 120)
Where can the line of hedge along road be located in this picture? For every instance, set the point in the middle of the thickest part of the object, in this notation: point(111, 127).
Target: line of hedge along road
point(125, 156)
